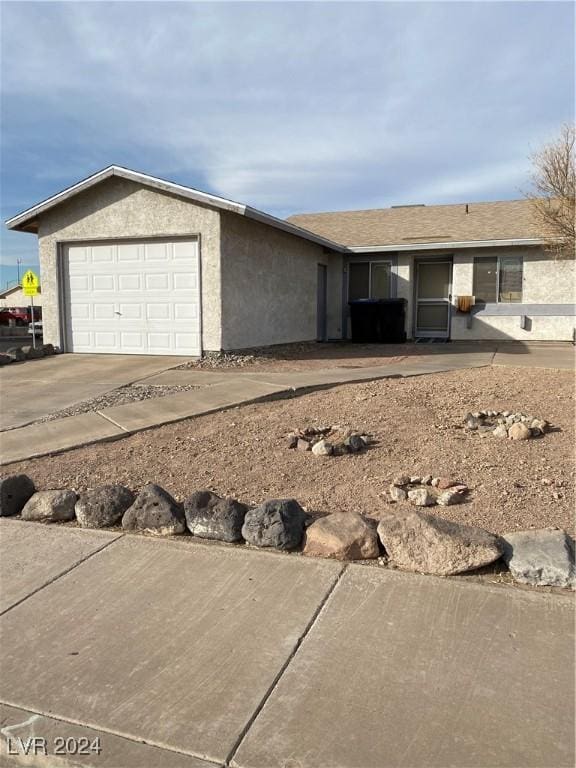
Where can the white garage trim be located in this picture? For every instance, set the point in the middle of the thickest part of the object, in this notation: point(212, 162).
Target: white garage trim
point(131, 296)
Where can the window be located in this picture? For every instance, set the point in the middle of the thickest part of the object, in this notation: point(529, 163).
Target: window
point(498, 279)
point(368, 280)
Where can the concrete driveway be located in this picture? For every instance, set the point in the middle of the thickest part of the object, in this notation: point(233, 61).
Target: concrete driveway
point(36, 388)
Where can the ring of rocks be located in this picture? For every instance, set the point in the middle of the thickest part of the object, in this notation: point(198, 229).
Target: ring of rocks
point(506, 424)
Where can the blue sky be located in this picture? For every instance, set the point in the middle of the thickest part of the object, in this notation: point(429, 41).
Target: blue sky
point(289, 107)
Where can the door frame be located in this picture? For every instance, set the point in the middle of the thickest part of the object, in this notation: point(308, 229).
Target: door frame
point(432, 334)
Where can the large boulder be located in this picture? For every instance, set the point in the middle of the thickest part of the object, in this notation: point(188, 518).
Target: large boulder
point(15, 490)
point(542, 557)
point(16, 354)
point(50, 506)
point(424, 543)
point(212, 517)
point(155, 512)
point(103, 506)
point(342, 536)
point(277, 523)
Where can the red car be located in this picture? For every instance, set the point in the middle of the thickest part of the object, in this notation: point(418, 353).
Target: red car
point(7, 314)
point(23, 315)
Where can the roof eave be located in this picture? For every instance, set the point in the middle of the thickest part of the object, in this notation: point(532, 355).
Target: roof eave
point(450, 245)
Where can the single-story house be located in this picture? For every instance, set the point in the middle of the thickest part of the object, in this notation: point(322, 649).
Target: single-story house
point(134, 264)
point(14, 297)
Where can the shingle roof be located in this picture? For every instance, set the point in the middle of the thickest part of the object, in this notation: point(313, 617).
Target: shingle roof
point(506, 220)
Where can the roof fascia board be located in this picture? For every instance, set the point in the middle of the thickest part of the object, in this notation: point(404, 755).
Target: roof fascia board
point(125, 173)
point(444, 246)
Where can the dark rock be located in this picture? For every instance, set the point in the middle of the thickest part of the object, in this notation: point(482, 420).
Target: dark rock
point(15, 490)
point(471, 421)
point(340, 449)
point(156, 512)
point(540, 557)
point(277, 523)
point(291, 441)
point(212, 517)
point(48, 349)
point(103, 506)
point(5, 359)
point(50, 506)
point(16, 354)
point(32, 353)
point(354, 443)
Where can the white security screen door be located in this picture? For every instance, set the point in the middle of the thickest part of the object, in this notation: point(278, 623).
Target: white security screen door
point(433, 294)
point(133, 297)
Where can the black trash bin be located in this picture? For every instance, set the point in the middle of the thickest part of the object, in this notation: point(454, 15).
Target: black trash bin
point(378, 321)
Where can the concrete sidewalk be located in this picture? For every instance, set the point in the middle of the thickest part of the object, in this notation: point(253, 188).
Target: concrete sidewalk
point(175, 653)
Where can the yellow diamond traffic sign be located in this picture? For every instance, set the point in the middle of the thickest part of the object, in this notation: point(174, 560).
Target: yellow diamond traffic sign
point(30, 283)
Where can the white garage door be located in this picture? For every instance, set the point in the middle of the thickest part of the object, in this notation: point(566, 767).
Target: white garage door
point(133, 297)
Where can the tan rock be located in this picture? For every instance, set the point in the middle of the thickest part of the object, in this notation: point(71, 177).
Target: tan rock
point(396, 493)
point(341, 536)
point(322, 448)
point(423, 543)
point(445, 482)
point(421, 497)
point(519, 431)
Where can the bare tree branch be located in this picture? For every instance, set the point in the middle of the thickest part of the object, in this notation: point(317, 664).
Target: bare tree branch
point(554, 193)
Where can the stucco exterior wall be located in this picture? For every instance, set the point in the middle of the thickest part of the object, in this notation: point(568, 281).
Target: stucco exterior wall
point(269, 284)
point(118, 208)
point(545, 281)
point(405, 288)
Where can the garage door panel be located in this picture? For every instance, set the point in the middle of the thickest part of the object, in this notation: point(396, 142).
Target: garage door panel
point(140, 298)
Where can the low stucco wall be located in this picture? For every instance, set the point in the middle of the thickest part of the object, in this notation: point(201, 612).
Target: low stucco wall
point(545, 281)
point(118, 208)
point(269, 285)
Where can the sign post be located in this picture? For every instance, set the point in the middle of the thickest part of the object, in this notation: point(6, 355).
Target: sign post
point(30, 286)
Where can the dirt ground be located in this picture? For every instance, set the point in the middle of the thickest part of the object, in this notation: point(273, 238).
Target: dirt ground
point(416, 425)
point(309, 355)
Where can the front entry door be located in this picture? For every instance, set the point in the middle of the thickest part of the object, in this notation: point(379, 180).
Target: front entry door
point(433, 294)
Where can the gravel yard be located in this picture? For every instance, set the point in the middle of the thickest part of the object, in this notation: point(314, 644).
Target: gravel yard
point(131, 393)
point(416, 423)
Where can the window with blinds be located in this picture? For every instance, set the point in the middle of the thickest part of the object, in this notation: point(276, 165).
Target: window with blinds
point(498, 279)
point(368, 280)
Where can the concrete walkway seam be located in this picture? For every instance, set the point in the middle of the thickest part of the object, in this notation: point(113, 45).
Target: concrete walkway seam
point(284, 667)
point(58, 576)
point(103, 729)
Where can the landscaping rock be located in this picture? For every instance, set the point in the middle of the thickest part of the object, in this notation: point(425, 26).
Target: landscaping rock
point(15, 490)
point(541, 557)
point(341, 536)
point(423, 543)
point(303, 445)
point(354, 443)
point(519, 431)
point(291, 441)
point(277, 523)
point(103, 506)
point(397, 494)
point(31, 353)
point(5, 359)
point(471, 421)
point(401, 480)
point(48, 349)
point(16, 354)
point(211, 517)
point(444, 483)
point(449, 497)
point(427, 480)
point(50, 506)
point(539, 426)
point(322, 448)
point(500, 431)
point(421, 497)
point(339, 449)
point(155, 512)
